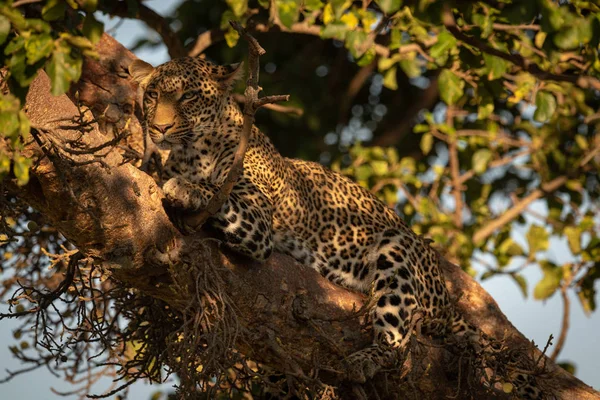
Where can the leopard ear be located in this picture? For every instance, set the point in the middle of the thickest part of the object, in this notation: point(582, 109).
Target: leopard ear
point(228, 75)
point(140, 71)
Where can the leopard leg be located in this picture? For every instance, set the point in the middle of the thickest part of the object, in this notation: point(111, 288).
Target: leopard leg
point(183, 194)
point(396, 289)
point(247, 222)
point(246, 218)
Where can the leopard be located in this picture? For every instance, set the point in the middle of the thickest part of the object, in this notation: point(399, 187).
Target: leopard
point(317, 216)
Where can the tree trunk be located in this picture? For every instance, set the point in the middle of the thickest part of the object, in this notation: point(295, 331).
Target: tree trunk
point(290, 315)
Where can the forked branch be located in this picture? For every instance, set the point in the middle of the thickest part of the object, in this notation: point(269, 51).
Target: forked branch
point(251, 103)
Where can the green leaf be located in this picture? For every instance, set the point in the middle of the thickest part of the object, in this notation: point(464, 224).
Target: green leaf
point(367, 58)
point(485, 23)
point(451, 87)
point(386, 63)
point(15, 17)
point(581, 142)
point(21, 169)
point(495, 67)
point(363, 172)
point(485, 108)
point(487, 275)
point(426, 143)
point(510, 248)
point(339, 6)
point(552, 17)
point(549, 282)
point(231, 37)
point(537, 239)
point(54, 9)
point(239, 7)
point(440, 51)
point(574, 35)
point(38, 47)
point(573, 235)
point(335, 30)
point(9, 120)
point(4, 164)
point(63, 69)
point(481, 159)
point(288, 11)
point(312, 5)
point(4, 28)
point(411, 67)
point(14, 45)
point(24, 125)
point(92, 28)
point(521, 283)
point(395, 39)
point(354, 42)
point(389, 79)
point(19, 69)
point(380, 168)
point(546, 106)
point(89, 6)
point(540, 38)
point(389, 6)
point(38, 25)
point(568, 366)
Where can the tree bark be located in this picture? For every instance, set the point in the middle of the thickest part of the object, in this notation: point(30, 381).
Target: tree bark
point(293, 316)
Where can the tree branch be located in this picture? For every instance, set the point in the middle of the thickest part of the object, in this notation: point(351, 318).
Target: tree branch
point(251, 104)
point(518, 208)
point(154, 21)
point(455, 172)
point(562, 338)
point(526, 65)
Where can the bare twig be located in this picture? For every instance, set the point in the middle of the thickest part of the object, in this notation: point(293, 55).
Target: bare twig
point(24, 2)
point(251, 104)
point(205, 40)
point(274, 107)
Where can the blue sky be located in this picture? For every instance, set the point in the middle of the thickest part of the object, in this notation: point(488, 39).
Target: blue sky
point(536, 319)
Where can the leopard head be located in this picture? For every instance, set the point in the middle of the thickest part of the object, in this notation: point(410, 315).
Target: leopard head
point(183, 98)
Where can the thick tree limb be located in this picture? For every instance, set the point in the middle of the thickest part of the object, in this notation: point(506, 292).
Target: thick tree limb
point(288, 312)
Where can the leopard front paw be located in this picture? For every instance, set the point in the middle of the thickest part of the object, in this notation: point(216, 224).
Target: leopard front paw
point(181, 194)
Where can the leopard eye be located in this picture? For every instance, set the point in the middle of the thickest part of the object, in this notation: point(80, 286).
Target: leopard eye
point(189, 95)
point(153, 94)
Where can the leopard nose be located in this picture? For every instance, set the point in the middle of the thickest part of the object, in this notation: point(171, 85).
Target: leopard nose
point(163, 128)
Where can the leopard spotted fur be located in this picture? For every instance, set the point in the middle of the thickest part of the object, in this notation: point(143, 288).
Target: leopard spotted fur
point(300, 208)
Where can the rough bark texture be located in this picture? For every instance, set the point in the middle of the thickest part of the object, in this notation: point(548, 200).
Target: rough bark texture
point(291, 315)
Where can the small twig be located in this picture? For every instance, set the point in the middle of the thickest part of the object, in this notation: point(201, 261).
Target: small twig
point(274, 107)
point(24, 2)
point(251, 103)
